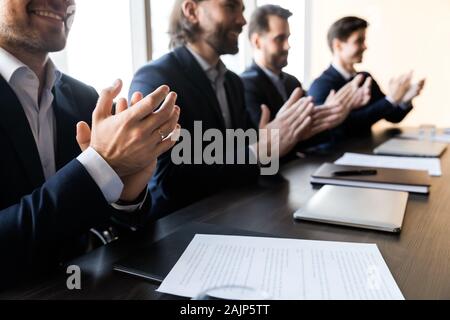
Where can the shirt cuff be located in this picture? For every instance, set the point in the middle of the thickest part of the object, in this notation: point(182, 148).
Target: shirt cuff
point(131, 208)
point(391, 101)
point(405, 105)
point(104, 176)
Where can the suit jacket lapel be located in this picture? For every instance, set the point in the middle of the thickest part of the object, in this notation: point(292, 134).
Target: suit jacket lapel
point(67, 117)
point(16, 126)
point(199, 80)
point(233, 103)
point(276, 99)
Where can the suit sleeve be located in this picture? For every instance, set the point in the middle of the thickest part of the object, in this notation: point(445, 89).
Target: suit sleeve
point(34, 231)
point(123, 220)
point(378, 108)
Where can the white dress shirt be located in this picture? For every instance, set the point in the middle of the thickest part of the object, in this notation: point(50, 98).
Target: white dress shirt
point(41, 118)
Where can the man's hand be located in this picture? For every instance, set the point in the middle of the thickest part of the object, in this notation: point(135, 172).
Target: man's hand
point(398, 87)
point(363, 95)
point(336, 108)
point(414, 91)
point(290, 126)
point(135, 173)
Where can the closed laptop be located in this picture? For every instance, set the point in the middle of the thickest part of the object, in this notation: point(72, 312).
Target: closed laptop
point(411, 148)
point(356, 207)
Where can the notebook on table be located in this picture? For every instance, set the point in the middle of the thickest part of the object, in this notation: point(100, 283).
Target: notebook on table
point(374, 209)
point(411, 148)
point(414, 181)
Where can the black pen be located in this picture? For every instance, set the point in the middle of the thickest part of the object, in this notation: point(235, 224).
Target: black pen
point(355, 173)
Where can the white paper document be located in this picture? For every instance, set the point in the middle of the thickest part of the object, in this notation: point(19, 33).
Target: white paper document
point(284, 269)
point(432, 165)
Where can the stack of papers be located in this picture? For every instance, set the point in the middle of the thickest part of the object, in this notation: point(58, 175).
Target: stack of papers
point(432, 165)
point(284, 269)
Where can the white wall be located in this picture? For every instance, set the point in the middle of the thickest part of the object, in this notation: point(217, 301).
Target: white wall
point(404, 35)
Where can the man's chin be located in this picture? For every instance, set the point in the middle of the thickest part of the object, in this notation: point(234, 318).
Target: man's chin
point(54, 46)
point(280, 65)
point(359, 59)
point(230, 50)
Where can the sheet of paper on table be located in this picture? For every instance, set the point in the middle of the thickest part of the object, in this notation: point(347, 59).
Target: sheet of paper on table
point(283, 269)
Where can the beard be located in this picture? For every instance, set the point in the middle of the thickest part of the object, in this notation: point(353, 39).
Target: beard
point(33, 43)
point(279, 61)
point(26, 38)
point(221, 40)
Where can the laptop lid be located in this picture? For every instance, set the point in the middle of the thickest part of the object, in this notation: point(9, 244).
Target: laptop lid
point(411, 148)
point(356, 207)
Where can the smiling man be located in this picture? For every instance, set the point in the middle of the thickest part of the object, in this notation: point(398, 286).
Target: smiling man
point(52, 194)
point(201, 32)
point(267, 84)
point(347, 42)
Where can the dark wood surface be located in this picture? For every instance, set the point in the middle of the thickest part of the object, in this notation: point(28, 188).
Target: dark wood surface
point(419, 257)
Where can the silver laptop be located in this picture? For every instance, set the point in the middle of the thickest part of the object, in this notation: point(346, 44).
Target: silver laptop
point(356, 207)
point(411, 148)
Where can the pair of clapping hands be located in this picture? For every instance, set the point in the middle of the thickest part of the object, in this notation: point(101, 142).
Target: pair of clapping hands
point(132, 139)
point(402, 90)
point(299, 120)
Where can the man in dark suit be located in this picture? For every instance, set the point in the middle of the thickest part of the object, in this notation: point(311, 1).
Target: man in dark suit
point(51, 193)
point(266, 84)
point(202, 31)
point(346, 39)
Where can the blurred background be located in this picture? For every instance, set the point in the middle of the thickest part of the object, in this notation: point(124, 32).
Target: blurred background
point(112, 38)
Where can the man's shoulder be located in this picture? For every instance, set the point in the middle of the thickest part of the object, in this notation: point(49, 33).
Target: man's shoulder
point(326, 78)
point(252, 78)
point(234, 76)
point(76, 85)
point(82, 93)
point(251, 73)
point(164, 70)
point(164, 64)
point(291, 78)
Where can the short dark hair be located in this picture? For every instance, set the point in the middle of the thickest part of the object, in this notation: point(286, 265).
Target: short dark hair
point(181, 31)
point(343, 29)
point(259, 22)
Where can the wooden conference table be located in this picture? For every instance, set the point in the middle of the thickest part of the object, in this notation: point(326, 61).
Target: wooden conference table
point(419, 257)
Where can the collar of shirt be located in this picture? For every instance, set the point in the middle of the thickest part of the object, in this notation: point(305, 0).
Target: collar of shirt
point(38, 110)
point(16, 73)
point(214, 73)
point(272, 75)
point(346, 75)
